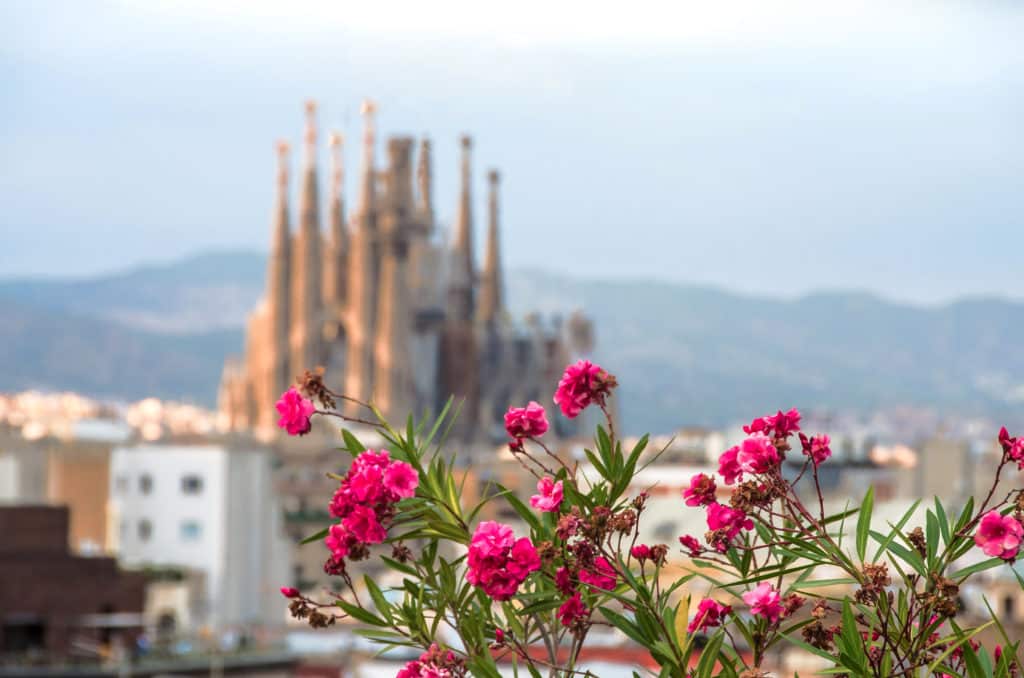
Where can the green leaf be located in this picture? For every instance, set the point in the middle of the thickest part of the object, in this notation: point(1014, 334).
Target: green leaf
point(352, 443)
point(360, 614)
point(379, 601)
point(940, 511)
point(978, 567)
point(315, 537)
point(626, 626)
point(864, 523)
point(931, 536)
point(883, 542)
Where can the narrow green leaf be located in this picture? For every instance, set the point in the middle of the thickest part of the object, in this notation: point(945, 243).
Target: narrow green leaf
point(316, 536)
point(864, 523)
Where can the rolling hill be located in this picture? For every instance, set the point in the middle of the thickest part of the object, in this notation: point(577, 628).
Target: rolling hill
point(683, 353)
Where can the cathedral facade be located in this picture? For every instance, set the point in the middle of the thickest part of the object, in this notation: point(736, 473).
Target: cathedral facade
point(392, 306)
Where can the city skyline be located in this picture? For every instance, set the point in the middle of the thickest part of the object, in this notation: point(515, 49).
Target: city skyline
point(711, 149)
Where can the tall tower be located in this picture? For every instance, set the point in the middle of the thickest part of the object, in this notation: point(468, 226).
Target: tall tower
point(362, 274)
point(336, 253)
point(424, 186)
point(490, 300)
point(307, 288)
point(463, 274)
point(459, 370)
point(279, 284)
point(393, 383)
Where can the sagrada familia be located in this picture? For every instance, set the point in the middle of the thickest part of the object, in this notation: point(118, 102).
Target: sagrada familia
point(392, 306)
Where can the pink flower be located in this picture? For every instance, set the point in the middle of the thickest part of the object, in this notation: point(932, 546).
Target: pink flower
point(764, 601)
point(492, 540)
point(295, 412)
point(641, 552)
point(563, 581)
point(601, 576)
point(368, 458)
point(757, 454)
point(816, 447)
point(523, 558)
point(690, 543)
point(401, 479)
point(499, 636)
point(526, 422)
point(701, 491)
point(572, 610)
point(497, 562)
point(364, 502)
point(550, 497)
point(339, 540)
point(362, 523)
point(727, 522)
point(423, 669)
point(999, 535)
point(728, 466)
point(709, 613)
point(366, 483)
point(780, 425)
point(1013, 448)
point(289, 592)
point(582, 383)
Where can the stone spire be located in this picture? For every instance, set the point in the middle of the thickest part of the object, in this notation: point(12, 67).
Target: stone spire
point(307, 288)
point(460, 290)
point(361, 289)
point(393, 383)
point(424, 184)
point(279, 281)
point(336, 253)
point(491, 299)
point(367, 190)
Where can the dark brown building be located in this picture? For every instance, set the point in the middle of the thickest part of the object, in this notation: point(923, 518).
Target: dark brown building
point(56, 604)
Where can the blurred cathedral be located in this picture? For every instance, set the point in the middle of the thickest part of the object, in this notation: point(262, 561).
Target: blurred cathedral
point(394, 308)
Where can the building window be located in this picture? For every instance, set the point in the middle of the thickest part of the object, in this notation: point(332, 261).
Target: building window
point(145, 530)
point(191, 484)
point(145, 483)
point(191, 530)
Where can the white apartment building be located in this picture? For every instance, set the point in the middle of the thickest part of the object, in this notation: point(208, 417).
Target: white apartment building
point(210, 508)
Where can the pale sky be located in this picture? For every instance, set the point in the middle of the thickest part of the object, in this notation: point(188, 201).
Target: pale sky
point(771, 147)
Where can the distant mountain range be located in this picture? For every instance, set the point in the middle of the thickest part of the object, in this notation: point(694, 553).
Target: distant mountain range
point(684, 354)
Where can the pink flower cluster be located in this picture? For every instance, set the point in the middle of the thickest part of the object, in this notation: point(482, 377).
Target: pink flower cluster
point(780, 425)
point(760, 454)
point(364, 502)
point(755, 455)
point(582, 383)
point(600, 575)
point(765, 601)
point(727, 523)
point(691, 544)
point(498, 562)
point(434, 663)
point(999, 536)
point(816, 447)
point(1013, 448)
point(701, 491)
point(295, 412)
point(525, 422)
point(572, 610)
point(550, 497)
point(710, 613)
